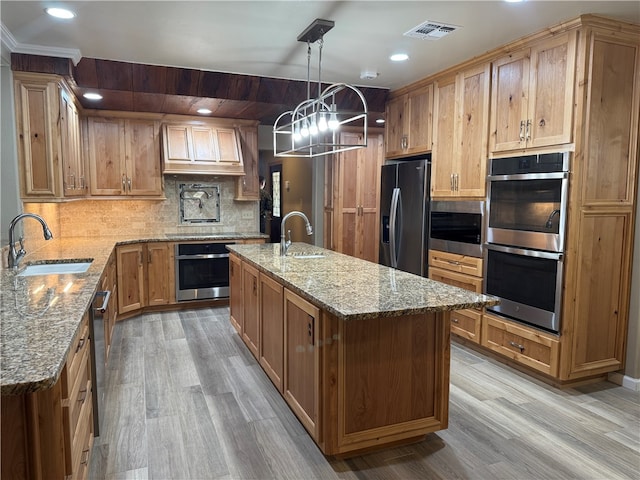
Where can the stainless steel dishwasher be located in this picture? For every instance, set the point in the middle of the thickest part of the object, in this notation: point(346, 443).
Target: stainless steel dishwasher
point(96, 332)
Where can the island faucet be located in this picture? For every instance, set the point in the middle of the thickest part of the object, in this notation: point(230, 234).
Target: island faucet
point(15, 257)
point(284, 244)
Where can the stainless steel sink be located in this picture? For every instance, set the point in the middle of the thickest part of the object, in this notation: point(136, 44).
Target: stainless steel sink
point(55, 268)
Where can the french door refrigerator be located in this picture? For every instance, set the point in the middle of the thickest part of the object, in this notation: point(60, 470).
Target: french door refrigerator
point(404, 215)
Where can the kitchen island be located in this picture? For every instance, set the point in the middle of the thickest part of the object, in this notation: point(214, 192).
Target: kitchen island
point(359, 351)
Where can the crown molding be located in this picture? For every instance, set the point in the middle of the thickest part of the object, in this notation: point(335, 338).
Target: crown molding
point(11, 44)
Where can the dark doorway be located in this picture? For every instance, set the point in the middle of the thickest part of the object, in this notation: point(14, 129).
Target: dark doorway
point(275, 175)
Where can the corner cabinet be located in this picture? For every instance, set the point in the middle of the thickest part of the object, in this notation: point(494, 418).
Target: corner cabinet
point(352, 197)
point(49, 148)
point(124, 157)
point(532, 95)
point(461, 112)
point(201, 149)
point(408, 126)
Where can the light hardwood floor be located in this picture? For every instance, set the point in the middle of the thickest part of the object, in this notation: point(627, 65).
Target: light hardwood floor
point(186, 400)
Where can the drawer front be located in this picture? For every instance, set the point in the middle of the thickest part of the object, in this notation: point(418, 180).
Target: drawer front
point(80, 394)
point(525, 345)
point(456, 279)
point(82, 443)
point(466, 324)
point(456, 263)
point(78, 350)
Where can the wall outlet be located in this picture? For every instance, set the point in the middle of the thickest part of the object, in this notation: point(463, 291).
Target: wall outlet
point(247, 215)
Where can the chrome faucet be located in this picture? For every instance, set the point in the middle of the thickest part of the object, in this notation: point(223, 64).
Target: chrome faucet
point(285, 244)
point(15, 257)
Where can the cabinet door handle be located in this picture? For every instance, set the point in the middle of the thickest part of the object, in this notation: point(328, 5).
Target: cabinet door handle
point(82, 397)
point(456, 182)
point(522, 130)
point(455, 320)
point(528, 131)
point(255, 286)
point(80, 344)
point(517, 345)
point(451, 182)
point(129, 183)
point(85, 457)
point(124, 183)
point(310, 330)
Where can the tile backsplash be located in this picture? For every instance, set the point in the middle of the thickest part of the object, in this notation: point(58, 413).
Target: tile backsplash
point(93, 218)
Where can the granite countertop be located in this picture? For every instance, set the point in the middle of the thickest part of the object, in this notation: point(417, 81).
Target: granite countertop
point(353, 289)
point(40, 315)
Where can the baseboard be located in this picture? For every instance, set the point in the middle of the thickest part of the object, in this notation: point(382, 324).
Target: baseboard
point(625, 380)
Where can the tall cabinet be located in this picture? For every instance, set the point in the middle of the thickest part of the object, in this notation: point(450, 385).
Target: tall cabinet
point(352, 197)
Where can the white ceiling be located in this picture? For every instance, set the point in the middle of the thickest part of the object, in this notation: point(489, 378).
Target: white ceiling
point(259, 37)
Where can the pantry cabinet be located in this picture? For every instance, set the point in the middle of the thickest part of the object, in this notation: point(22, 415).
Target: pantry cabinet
point(408, 125)
point(201, 149)
point(50, 160)
point(124, 157)
point(461, 112)
point(352, 197)
point(532, 96)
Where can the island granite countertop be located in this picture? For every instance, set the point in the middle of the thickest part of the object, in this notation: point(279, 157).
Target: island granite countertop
point(40, 315)
point(353, 289)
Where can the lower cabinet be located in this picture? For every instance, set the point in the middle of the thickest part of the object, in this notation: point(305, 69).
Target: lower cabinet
point(464, 272)
point(251, 327)
point(145, 275)
point(271, 349)
point(302, 360)
point(236, 309)
point(49, 433)
point(527, 346)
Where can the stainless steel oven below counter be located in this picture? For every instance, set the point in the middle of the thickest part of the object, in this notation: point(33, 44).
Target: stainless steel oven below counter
point(202, 271)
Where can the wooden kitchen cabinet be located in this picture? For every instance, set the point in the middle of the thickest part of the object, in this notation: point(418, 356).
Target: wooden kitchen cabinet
point(145, 274)
point(409, 123)
point(248, 185)
point(201, 149)
point(271, 349)
point(302, 360)
point(49, 433)
point(251, 313)
point(464, 272)
point(50, 162)
point(124, 157)
point(532, 95)
point(354, 191)
point(236, 310)
point(461, 112)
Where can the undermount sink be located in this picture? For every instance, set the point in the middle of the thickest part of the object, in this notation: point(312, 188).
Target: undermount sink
point(55, 268)
point(302, 255)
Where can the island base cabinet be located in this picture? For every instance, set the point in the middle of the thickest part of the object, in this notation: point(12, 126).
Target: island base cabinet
point(272, 329)
point(385, 381)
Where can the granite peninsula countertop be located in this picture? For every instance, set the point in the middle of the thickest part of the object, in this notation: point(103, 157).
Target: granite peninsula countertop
point(40, 315)
point(353, 289)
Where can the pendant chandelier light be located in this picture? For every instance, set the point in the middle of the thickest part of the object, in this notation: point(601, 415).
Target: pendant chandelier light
point(312, 129)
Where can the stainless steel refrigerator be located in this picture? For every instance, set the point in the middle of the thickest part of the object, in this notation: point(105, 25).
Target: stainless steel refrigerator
point(404, 215)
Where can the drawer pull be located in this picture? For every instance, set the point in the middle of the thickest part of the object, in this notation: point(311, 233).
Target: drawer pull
point(455, 320)
point(453, 262)
point(83, 395)
point(85, 456)
point(517, 345)
point(80, 344)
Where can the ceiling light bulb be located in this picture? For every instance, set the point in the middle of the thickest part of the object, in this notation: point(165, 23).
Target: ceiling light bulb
point(313, 128)
point(92, 96)
point(399, 57)
point(204, 111)
point(296, 133)
point(333, 118)
point(304, 131)
point(60, 13)
point(322, 122)
point(380, 120)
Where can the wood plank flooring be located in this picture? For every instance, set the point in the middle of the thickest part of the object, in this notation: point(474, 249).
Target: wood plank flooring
point(186, 400)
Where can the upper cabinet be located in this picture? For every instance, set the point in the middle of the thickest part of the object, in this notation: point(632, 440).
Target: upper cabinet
point(201, 149)
point(49, 153)
point(461, 110)
point(248, 186)
point(532, 95)
point(124, 157)
point(408, 127)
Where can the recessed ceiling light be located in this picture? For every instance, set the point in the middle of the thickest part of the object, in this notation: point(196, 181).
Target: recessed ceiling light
point(60, 12)
point(380, 120)
point(399, 57)
point(204, 111)
point(92, 96)
point(514, 1)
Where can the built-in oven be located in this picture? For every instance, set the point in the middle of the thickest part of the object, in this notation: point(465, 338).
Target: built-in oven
point(528, 283)
point(202, 271)
point(526, 201)
point(457, 227)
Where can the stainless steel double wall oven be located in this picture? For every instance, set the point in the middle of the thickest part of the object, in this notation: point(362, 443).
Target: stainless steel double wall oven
point(526, 217)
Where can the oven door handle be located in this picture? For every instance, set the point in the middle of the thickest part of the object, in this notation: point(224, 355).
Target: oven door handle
point(525, 252)
point(529, 176)
point(203, 256)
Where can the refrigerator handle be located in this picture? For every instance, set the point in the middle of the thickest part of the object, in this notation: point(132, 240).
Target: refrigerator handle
point(392, 227)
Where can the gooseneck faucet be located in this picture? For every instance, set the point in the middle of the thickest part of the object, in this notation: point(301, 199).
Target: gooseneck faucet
point(284, 244)
point(15, 257)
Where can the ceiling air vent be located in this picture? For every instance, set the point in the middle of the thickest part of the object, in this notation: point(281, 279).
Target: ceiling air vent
point(431, 30)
